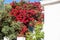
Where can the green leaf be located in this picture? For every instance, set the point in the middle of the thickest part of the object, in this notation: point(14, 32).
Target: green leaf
point(5, 30)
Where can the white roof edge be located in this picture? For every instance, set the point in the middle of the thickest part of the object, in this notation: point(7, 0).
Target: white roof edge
point(44, 3)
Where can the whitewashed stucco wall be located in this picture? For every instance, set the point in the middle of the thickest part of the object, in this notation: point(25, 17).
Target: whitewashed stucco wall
point(52, 22)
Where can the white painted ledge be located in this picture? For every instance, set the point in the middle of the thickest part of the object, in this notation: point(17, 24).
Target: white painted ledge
point(6, 38)
point(21, 38)
point(18, 38)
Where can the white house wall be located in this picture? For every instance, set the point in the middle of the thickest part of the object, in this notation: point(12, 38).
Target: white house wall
point(52, 22)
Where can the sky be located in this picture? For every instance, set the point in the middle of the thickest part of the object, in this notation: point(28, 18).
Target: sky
point(9, 1)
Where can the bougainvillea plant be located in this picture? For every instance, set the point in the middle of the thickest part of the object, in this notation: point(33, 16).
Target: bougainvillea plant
point(30, 17)
point(29, 14)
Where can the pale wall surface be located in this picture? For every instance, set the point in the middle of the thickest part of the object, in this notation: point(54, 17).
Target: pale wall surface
point(52, 22)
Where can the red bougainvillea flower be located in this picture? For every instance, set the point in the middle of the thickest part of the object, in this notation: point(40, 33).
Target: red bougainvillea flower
point(24, 29)
point(32, 12)
point(42, 15)
point(14, 12)
point(26, 12)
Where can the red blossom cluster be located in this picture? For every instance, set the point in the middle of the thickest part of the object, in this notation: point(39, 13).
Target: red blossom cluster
point(24, 29)
point(27, 12)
